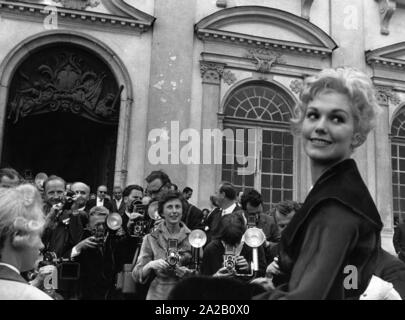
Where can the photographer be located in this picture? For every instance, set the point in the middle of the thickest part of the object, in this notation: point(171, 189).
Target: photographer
point(64, 221)
point(96, 255)
point(231, 230)
point(165, 252)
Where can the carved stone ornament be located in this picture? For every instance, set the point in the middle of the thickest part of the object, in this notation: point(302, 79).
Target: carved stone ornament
point(211, 72)
point(229, 77)
point(296, 86)
point(386, 94)
point(306, 8)
point(264, 59)
point(78, 4)
point(387, 9)
point(66, 83)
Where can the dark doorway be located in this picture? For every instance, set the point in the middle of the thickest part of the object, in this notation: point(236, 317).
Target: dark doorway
point(64, 144)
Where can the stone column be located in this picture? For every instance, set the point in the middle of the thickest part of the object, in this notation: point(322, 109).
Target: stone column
point(347, 29)
point(384, 168)
point(211, 74)
point(121, 161)
point(171, 77)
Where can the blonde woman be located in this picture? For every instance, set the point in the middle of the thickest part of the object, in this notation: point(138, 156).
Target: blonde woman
point(330, 247)
point(21, 225)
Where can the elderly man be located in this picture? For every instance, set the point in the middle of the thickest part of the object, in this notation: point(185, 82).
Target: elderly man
point(118, 203)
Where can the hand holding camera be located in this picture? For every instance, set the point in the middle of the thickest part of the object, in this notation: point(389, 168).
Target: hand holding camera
point(273, 269)
point(224, 272)
point(181, 272)
point(158, 265)
point(88, 243)
point(44, 271)
point(241, 264)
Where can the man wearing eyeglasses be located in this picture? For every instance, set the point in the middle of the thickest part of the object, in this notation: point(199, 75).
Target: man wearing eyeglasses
point(158, 184)
point(101, 200)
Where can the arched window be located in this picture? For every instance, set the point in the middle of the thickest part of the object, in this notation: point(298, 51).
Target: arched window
point(258, 114)
point(398, 164)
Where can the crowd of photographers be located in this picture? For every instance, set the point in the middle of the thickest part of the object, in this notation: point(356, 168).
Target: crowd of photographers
point(139, 244)
point(153, 243)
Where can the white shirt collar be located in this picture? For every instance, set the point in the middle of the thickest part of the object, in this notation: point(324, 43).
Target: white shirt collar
point(10, 267)
point(229, 209)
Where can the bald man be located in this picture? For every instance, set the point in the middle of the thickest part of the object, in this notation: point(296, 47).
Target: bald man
point(82, 192)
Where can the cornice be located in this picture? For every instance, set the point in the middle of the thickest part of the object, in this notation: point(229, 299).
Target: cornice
point(381, 56)
point(253, 41)
point(242, 14)
point(101, 20)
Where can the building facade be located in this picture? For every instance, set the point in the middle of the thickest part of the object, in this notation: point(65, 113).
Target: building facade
point(107, 90)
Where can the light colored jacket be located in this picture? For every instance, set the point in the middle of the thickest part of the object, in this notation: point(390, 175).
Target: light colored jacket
point(154, 247)
point(12, 290)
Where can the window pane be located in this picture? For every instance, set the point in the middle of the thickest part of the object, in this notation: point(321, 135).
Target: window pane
point(287, 195)
point(266, 151)
point(288, 167)
point(265, 181)
point(277, 137)
point(277, 152)
point(266, 166)
point(276, 182)
point(276, 196)
point(237, 179)
point(402, 152)
point(402, 178)
point(394, 150)
point(394, 164)
point(277, 166)
point(250, 180)
point(288, 182)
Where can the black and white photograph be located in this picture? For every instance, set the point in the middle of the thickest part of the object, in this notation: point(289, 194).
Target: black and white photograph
point(202, 154)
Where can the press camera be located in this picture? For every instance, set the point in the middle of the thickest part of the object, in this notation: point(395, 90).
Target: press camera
point(230, 258)
point(67, 269)
point(172, 256)
point(101, 229)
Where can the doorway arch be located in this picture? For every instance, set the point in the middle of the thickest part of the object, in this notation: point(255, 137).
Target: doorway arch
point(15, 58)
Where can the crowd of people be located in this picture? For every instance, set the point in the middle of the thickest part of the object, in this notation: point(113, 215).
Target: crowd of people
point(135, 242)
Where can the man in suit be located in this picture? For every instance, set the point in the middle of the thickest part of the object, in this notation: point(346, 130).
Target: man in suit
point(226, 200)
point(101, 200)
point(192, 217)
point(118, 203)
point(125, 253)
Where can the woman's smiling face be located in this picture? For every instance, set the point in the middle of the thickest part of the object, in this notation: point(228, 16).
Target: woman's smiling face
point(328, 129)
point(172, 211)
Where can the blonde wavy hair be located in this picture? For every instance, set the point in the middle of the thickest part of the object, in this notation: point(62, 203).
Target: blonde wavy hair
point(21, 214)
point(345, 80)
